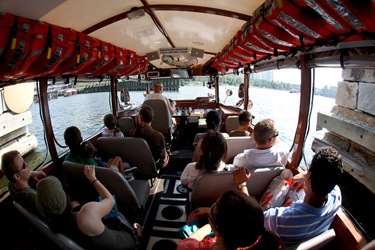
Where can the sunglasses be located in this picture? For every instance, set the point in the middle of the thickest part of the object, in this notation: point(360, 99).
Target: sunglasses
point(275, 135)
point(23, 167)
point(210, 216)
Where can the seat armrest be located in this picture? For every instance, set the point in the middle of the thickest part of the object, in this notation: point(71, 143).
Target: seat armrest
point(130, 169)
point(316, 242)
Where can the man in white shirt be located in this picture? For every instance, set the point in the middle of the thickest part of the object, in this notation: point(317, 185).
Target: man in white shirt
point(269, 151)
point(158, 95)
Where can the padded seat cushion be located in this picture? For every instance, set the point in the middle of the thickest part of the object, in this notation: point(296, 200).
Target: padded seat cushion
point(141, 189)
point(130, 198)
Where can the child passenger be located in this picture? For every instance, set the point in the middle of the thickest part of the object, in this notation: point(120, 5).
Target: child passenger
point(214, 149)
point(244, 122)
point(89, 151)
point(111, 129)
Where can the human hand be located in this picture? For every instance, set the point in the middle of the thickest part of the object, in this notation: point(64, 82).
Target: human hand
point(37, 175)
point(201, 211)
point(90, 172)
point(241, 175)
point(298, 181)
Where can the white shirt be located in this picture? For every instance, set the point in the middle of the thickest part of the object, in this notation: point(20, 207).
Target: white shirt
point(159, 96)
point(255, 158)
point(156, 96)
point(190, 173)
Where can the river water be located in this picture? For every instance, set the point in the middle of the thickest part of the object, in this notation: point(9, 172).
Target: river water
point(86, 111)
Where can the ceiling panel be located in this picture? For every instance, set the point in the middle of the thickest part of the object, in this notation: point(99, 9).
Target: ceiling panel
point(208, 32)
point(140, 35)
point(241, 6)
point(81, 14)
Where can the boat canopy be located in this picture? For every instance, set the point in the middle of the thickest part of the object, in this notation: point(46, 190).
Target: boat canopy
point(122, 38)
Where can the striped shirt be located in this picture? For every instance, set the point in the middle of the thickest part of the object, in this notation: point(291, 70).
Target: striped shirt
point(301, 221)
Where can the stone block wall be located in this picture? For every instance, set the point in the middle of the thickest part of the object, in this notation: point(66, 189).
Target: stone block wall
point(355, 102)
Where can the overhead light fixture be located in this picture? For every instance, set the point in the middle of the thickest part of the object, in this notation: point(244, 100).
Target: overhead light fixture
point(136, 13)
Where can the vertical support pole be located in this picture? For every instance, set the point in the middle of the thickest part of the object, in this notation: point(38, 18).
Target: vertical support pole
point(246, 81)
point(305, 100)
point(43, 86)
point(147, 88)
point(217, 97)
point(114, 95)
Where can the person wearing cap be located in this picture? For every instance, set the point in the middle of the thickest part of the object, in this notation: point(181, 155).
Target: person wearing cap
point(21, 180)
point(244, 122)
point(85, 226)
point(158, 95)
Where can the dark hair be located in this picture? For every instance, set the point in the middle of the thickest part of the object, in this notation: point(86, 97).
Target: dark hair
point(88, 150)
point(264, 130)
point(244, 117)
point(73, 138)
point(7, 164)
point(325, 170)
point(146, 113)
point(240, 221)
point(214, 149)
point(110, 121)
point(213, 119)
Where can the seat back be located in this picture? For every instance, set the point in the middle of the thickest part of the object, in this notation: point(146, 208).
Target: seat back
point(318, 242)
point(60, 240)
point(126, 124)
point(133, 150)
point(79, 187)
point(231, 123)
point(162, 117)
point(237, 145)
point(260, 179)
point(208, 187)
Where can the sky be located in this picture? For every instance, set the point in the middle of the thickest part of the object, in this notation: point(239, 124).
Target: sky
point(323, 76)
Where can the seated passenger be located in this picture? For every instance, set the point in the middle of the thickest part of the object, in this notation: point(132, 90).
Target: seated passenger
point(214, 149)
point(116, 164)
point(269, 151)
point(89, 151)
point(314, 215)
point(154, 139)
point(111, 129)
point(73, 139)
point(237, 222)
point(158, 95)
point(85, 226)
point(20, 177)
point(244, 122)
point(213, 120)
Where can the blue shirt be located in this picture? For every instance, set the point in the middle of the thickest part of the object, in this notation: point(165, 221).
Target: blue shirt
point(301, 221)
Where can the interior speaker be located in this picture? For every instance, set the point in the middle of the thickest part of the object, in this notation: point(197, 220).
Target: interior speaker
point(197, 52)
point(152, 55)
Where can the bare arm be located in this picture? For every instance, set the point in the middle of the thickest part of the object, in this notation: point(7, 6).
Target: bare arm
point(90, 215)
point(201, 232)
point(171, 109)
point(241, 176)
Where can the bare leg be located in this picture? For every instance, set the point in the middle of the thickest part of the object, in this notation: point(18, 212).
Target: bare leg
point(117, 161)
point(110, 161)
